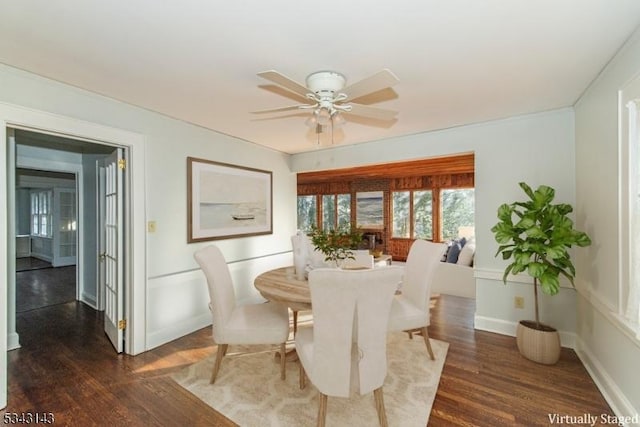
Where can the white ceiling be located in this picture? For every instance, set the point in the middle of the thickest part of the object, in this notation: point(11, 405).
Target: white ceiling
point(458, 61)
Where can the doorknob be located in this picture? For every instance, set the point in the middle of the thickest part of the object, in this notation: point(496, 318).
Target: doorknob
point(102, 256)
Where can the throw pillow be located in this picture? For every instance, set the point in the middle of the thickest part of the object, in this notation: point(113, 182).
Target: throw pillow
point(454, 250)
point(466, 253)
point(446, 252)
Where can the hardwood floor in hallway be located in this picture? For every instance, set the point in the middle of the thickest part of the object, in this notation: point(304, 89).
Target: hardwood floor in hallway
point(68, 367)
point(39, 285)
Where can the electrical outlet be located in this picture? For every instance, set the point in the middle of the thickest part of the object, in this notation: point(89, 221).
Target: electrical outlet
point(518, 302)
point(151, 226)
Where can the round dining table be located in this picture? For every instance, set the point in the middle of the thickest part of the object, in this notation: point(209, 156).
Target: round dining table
point(282, 286)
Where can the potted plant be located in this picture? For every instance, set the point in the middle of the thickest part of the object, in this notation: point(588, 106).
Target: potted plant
point(336, 244)
point(535, 236)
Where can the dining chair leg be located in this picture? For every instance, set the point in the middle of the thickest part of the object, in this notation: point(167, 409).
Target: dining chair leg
point(382, 415)
point(302, 377)
point(322, 410)
point(425, 334)
point(222, 350)
point(283, 359)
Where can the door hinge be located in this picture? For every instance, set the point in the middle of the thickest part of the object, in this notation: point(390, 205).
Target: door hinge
point(122, 324)
point(122, 163)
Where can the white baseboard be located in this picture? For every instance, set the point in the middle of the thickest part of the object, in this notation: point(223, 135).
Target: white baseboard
point(90, 300)
point(177, 330)
point(619, 403)
point(13, 341)
point(497, 326)
point(505, 327)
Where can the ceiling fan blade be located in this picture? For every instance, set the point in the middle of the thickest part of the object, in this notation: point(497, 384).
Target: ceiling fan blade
point(289, 108)
point(284, 81)
point(378, 81)
point(372, 112)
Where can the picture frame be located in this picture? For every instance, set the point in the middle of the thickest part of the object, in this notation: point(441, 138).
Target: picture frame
point(226, 201)
point(370, 209)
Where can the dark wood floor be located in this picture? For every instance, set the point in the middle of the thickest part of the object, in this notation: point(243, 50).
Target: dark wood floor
point(66, 366)
point(31, 263)
point(39, 284)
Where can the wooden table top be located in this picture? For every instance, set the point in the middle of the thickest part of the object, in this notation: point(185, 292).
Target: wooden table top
point(281, 285)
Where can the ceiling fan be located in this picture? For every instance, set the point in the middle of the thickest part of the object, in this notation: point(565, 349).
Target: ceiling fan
point(328, 97)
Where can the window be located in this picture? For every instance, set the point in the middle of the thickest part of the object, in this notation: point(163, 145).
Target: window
point(344, 210)
point(307, 209)
point(423, 214)
point(41, 213)
point(412, 214)
point(328, 212)
point(400, 214)
point(336, 211)
point(456, 211)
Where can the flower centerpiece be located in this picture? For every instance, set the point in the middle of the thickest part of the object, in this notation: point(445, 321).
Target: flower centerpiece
point(336, 244)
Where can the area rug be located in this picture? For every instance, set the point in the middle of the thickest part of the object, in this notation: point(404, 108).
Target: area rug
point(249, 390)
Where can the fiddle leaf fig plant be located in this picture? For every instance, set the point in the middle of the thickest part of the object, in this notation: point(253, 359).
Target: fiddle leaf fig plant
point(536, 235)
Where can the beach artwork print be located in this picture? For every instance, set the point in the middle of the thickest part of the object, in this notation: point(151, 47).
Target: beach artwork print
point(227, 200)
point(369, 213)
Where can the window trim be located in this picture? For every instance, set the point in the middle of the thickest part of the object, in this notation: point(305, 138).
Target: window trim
point(629, 103)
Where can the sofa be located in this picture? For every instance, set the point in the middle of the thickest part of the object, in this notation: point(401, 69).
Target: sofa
point(454, 274)
point(454, 279)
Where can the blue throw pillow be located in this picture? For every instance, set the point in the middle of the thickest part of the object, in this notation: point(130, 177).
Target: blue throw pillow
point(454, 251)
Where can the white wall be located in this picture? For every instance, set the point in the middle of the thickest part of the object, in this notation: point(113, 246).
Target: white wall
point(23, 210)
point(537, 149)
point(609, 352)
point(168, 143)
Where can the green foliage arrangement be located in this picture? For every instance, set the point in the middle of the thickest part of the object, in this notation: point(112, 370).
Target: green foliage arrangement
point(336, 244)
point(536, 235)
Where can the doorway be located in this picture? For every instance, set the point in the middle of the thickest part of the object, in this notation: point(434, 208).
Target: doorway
point(46, 238)
point(58, 221)
point(17, 117)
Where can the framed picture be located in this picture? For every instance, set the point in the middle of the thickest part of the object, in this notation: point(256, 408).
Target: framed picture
point(369, 209)
point(227, 201)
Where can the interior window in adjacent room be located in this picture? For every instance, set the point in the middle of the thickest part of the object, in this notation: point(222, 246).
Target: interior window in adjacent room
point(41, 213)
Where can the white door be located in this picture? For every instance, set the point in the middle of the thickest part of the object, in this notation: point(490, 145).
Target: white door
point(111, 257)
point(101, 233)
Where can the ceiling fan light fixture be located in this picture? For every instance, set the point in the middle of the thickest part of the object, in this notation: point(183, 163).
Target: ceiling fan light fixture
point(327, 96)
point(337, 119)
point(312, 121)
point(320, 117)
point(323, 116)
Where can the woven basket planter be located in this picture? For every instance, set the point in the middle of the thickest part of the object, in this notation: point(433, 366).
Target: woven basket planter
point(538, 345)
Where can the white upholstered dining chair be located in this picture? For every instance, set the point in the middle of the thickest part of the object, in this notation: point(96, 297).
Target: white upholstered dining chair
point(266, 323)
point(345, 349)
point(410, 309)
